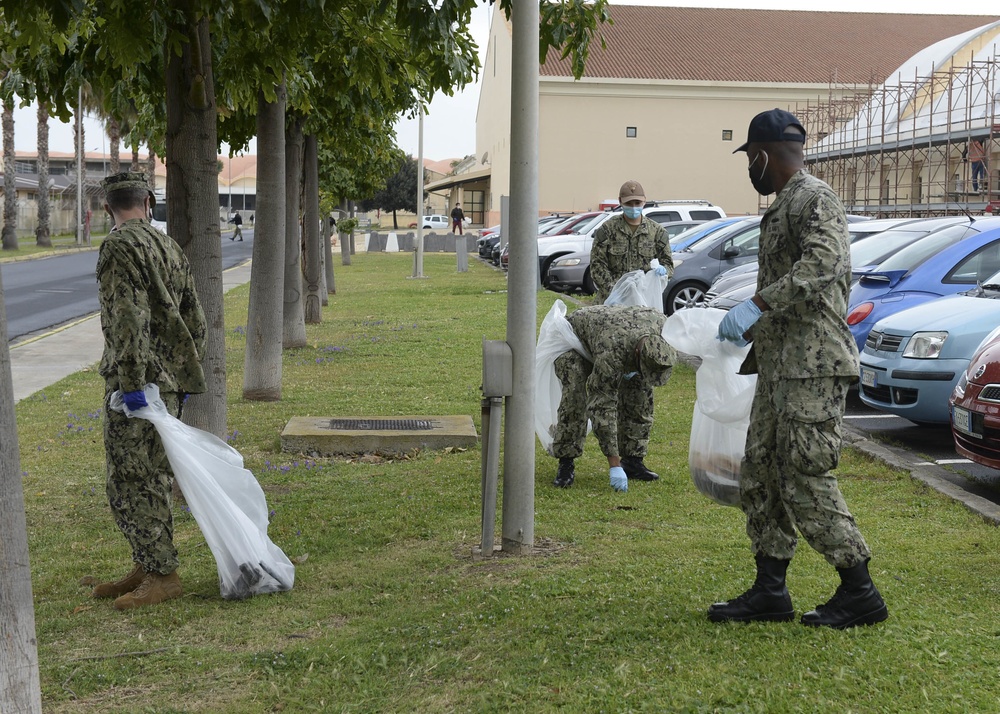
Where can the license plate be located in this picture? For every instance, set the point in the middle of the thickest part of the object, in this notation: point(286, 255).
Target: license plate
point(962, 419)
point(868, 378)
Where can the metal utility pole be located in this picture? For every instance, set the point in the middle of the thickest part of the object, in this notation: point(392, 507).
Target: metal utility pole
point(418, 258)
point(79, 166)
point(522, 298)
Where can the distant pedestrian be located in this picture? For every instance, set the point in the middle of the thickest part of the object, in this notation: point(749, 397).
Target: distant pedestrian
point(977, 157)
point(457, 218)
point(251, 220)
point(237, 220)
point(154, 332)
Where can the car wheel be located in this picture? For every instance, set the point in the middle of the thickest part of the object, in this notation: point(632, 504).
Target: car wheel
point(545, 271)
point(588, 283)
point(683, 296)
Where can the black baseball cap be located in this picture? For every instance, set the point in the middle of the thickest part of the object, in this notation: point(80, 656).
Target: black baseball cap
point(770, 126)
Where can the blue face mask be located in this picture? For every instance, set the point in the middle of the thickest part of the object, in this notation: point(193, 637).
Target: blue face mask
point(632, 213)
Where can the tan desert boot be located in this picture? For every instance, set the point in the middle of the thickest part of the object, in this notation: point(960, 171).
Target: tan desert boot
point(119, 587)
point(154, 589)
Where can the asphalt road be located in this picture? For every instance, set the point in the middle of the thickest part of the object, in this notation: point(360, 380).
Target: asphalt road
point(41, 294)
point(926, 445)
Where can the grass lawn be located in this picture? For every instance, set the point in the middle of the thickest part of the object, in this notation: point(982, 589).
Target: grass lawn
point(390, 613)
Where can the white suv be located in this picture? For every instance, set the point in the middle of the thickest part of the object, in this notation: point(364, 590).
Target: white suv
point(554, 247)
point(436, 221)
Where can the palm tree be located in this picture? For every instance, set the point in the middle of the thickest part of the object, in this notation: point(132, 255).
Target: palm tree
point(9, 235)
point(114, 139)
point(43, 233)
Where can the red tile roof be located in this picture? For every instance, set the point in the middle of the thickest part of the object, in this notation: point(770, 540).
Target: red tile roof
point(720, 45)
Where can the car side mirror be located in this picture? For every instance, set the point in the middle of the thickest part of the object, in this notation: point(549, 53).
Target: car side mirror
point(731, 251)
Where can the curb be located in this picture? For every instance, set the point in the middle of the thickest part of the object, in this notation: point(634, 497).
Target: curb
point(927, 473)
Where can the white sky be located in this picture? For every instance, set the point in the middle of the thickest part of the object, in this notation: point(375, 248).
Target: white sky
point(450, 123)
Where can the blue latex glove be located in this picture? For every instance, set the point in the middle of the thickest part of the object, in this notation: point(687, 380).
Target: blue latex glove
point(134, 400)
point(660, 270)
point(737, 321)
point(619, 481)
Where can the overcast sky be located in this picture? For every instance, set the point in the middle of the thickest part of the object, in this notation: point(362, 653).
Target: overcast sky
point(450, 123)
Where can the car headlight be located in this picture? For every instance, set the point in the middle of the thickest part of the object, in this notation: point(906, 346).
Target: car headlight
point(567, 262)
point(925, 345)
point(959, 392)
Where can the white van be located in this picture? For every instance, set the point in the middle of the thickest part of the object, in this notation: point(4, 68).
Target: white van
point(554, 247)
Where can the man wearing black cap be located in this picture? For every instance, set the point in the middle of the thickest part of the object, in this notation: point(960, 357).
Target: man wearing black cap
point(627, 242)
point(154, 332)
point(805, 358)
point(628, 357)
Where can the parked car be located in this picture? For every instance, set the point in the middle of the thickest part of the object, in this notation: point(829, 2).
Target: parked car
point(944, 262)
point(572, 272)
point(975, 412)
point(489, 230)
point(436, 222)
point(552, 248)
point(696, 266)
point(736, 285)
point(683, 240)
point(486, 245)
point(569, 224)
point(913, 359)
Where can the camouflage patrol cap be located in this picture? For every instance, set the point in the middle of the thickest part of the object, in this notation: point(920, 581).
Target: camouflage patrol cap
point(656, 356)
point(125, 179)
point(631, 191)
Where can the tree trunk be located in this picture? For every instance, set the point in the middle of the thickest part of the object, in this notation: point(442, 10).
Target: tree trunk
point(262, 361)
point(151, 169)
point(134, 166)
point(80, 173)
point(312, 268)
point(43, 233)
point(331, 285)
point(9, 235)
point(324, 255)
point(354, 214)
point(293, 327)
point(20, 687)
point(114, 141)
point(345, 238)
point(193, 210)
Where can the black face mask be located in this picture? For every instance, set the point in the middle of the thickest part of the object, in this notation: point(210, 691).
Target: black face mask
point(763, 183)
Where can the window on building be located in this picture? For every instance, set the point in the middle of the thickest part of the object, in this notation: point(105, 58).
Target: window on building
point(727, 134)
point(630, 132)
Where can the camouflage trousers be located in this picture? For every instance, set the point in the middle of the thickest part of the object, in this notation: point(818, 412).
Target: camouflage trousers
point(139, 482)
point(793, 442)
point(635, 411)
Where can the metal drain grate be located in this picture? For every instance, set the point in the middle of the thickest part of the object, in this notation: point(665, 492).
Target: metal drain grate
point(383, 424)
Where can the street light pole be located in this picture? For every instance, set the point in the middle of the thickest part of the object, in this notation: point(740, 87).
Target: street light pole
point(79, 166)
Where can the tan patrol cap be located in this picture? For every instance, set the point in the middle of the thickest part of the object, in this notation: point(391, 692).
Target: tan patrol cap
point(631, 191)
point(125, 179)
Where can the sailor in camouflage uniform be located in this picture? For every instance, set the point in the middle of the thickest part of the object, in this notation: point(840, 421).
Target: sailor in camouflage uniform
point(805, 359)
point(627, 242)
point(615, 390)
point(154, 332)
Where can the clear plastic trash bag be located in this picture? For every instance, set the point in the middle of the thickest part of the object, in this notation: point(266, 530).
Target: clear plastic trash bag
point(722, 407)
point(225, 500)
point(555, 337)
point(640, 288)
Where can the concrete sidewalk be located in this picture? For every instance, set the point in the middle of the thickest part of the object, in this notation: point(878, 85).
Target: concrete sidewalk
point(44, 359)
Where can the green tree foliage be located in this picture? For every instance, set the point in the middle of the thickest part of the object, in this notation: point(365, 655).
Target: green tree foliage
point(399, 193)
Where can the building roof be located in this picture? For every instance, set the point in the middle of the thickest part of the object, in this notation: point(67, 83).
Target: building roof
point(736, 45)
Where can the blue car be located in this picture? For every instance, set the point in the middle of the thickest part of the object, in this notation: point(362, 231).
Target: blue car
point(945, 262)
point(683, 240)
point(912, 360)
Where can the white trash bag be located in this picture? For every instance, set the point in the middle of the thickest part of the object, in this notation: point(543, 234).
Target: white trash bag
point(722, 408)
point(225, 499)
point(555, 337)
point(640, 288)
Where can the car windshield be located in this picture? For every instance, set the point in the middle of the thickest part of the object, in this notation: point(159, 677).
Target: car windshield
point(871, 252)
point(730, 230)
point(702, 228)
point(587, 226)
point(916, 253)
point(555, 226)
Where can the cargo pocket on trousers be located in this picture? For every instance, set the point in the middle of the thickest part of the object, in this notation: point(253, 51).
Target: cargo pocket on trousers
point(814, 436)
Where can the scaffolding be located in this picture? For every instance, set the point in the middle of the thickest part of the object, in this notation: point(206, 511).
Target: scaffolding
point(902, 148)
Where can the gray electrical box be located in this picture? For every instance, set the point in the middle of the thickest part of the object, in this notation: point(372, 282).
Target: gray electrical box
point(498, 369)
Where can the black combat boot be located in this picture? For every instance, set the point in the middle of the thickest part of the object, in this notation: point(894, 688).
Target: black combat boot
point(565, 474)
point(636, 470)
point(766, 601)
point(856, 602)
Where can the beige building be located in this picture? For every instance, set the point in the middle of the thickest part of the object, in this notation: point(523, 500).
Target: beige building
point(671, 96)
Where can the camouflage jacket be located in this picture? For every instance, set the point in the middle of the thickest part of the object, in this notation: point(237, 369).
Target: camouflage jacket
point(805, 278)
point(153, 324)
point(610, 333)
point(617, 250)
